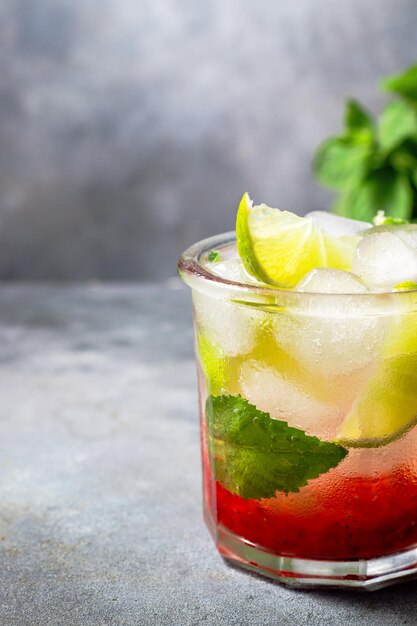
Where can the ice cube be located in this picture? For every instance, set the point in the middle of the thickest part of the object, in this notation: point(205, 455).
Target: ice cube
point(232, 269)
point(383, 260)
point(328, 334)
point(323, 280)
point(269, 391)
point(231, 327)
point(407, 232)
point(336, 225)
point(330, 344)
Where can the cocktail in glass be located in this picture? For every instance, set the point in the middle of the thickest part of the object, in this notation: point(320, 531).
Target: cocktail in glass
point(304, 480)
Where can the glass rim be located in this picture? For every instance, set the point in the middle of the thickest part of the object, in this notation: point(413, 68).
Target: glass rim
point(193, 271)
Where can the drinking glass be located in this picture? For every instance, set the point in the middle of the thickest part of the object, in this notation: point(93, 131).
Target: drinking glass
point(307, 404)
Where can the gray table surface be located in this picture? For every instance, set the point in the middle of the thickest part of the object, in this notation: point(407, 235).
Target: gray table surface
point(100, 505)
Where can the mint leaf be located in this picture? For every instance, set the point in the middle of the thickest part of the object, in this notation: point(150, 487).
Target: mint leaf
point(358, 203)
point(404, 159)
point(397, 123)
point(395, 221)
point(383, 190)
point(254, 455)
point(381, 219)
point(404, 84)
point(214, 256)
point(392, 192)
point(343, 205)
point(340, 163)
point(358, 121)
point(353, 162)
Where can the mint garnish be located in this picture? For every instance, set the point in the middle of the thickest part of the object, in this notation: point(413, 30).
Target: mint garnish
point(214, 256)
point(372, 163)
point(254, 455)
point(381, 219)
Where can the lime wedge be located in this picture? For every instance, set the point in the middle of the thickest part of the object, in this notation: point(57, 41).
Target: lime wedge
point(213, 362)
point(279, 248)
point(221, 371)
point(387, 407)
point(408, 285)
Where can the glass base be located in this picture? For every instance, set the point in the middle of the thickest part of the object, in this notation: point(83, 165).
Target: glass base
point(365, 574)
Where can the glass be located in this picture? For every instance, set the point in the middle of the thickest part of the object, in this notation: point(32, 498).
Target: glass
point(312, 361)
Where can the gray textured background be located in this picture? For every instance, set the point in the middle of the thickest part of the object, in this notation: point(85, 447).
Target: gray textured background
point(130, 128)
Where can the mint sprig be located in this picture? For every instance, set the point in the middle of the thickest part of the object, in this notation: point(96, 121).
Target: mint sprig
point(255, 456)
point(381, 219)
point(213, 256)
point(372, 164)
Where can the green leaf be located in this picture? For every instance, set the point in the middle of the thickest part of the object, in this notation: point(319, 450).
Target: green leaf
point(358, 121)
point(340, 163)
point(213, 256)
point(404, 84)
point(381, 219)
point(384, 190)
point(403, 159)
point(395, 221)
point(397, 123)
point(254, 455)
point(343, 205)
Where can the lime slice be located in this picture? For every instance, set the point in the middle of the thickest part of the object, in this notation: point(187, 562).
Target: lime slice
point(279, 248)
point(213, 363)
point(221, 371)
point(387, 407)
point(408, 285)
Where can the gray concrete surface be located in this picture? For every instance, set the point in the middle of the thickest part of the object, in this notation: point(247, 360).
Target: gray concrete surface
point(131, 128)
point(100, 506)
